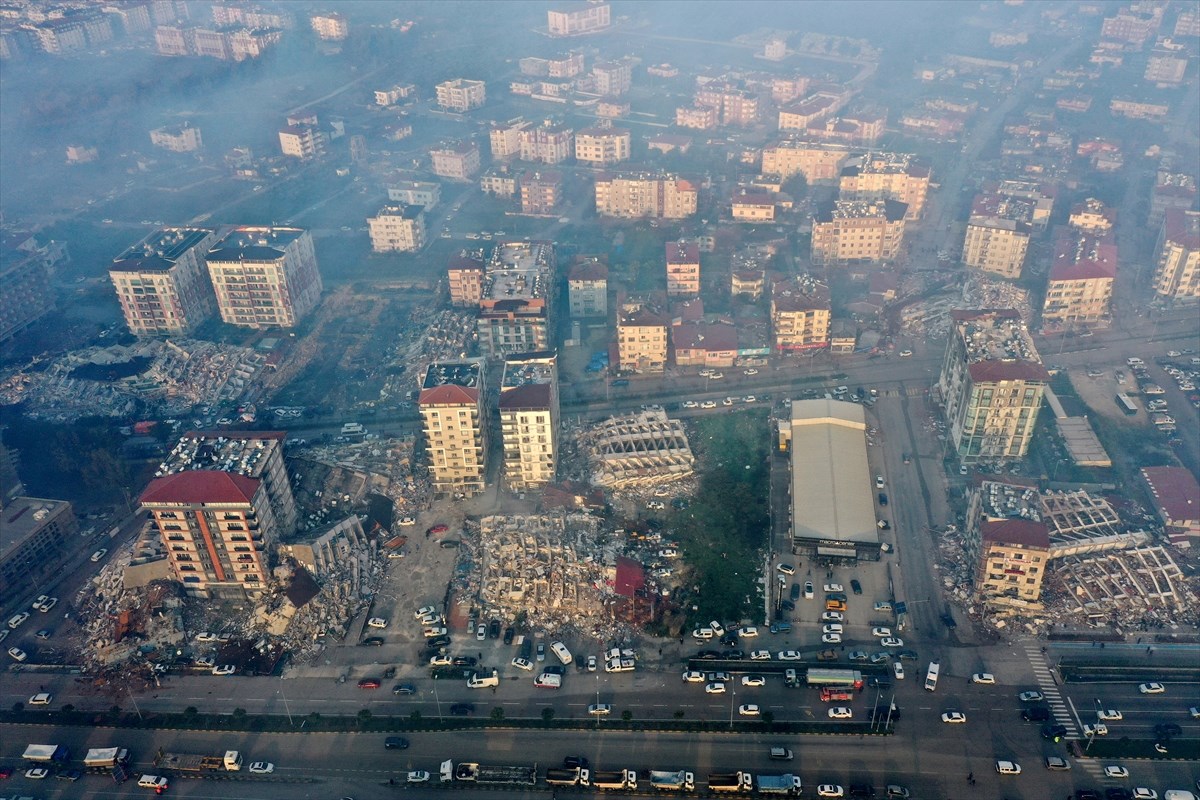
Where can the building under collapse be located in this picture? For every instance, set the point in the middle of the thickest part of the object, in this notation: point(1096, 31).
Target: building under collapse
point(642, 448)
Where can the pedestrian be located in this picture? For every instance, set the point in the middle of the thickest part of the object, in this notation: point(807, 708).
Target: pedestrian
point(1148, 649)
point(970, 777)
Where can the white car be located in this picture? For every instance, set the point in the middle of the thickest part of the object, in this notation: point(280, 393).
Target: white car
point(1142, 793)
point(786, 569)
point(599, 709)
point(417, 776)
point(832, 627)
point(37, 604)
point(432, 619)
point(789, 655)
point(1152, 688)
point(440, 660)
point(830, 790)
point(840, 712)
point(749, 710)
point(521, 663)
point(716, 687)
point(760, 655)
point(377, 622)
point(702, 633)
point(754, 680)
point(424, 611)
point(206, 636)
point(41, 699)
point(1115, 771)
point(834, 587)
point(891, 641)
point(153, 782)
point(983, 677)
point(1008, 768)
point(833, 616)
point(953, 717)
point(709, 404)
point(262, 768)
point(36, 773)
point(434, 631)
point(751, 371)
point(881, 632)
point(831, 638)
point(406, 521)
point(224, 669)
point(747, 632)
point(691, 676)
point(1099, 729)
point(17, 654)
point(690, 404)
point(18, 620)
point(1030, 697)
point(879, 482)
point(1109, 715)
point(808, 590)
point(99, 554)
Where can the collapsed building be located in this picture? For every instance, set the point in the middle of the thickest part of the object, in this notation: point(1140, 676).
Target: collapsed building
point(639, 449)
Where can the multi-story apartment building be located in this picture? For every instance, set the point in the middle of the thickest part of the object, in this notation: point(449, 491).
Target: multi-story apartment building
point(587, 287)
point(645, 195)
point(458, 161)
point(1177, 263)
point(546, 143)
point(37, 536)
point(461, 95)
point(997, 235)
point(886, 176)
point(389, 97)
point(514, 313)
point(683, 269)
point(397, 228)
point(1092, 216)
point(465, 275)
point(455, 426)
point(1187, 24)
point(602, 146)
point(529, 420)
point(567, 65)
point(1038, 200)
point(252, 16)
point(162, 282)
point(702, 118)
point(1171, 190)
point(302, 141)
point(1079, 292)
point(750, 205)
point(330, 26)
point(541, 192)
point(177, 138)
point(641, 339)
point(847, 232)
point(1138, 109)
point(734, 106)
point(704, 344)
point(1173, 493)
point(991, 384)
point(819, 163)
point(801, 309)
point(857, 128)
point(612, 78)
point(578, 18)
point(236, 44)
point(265, 277)
point(817, 105)
point(1132, 26)
point(426, 194)
point(25, 291)
point(505, 138)
point(1008, 554)
point(1167, 64)
point(218, 529)
point(499, 181)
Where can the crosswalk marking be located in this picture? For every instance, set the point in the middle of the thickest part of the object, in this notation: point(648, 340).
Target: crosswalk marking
point(1049, 689)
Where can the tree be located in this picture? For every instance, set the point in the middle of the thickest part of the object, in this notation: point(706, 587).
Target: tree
point(364, 716)
point(191, 711)
point(239, 713)
point(547, 714)
point(627, 715)
point(497, 713)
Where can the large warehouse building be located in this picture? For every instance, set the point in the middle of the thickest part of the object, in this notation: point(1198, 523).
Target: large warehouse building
point(833, 510)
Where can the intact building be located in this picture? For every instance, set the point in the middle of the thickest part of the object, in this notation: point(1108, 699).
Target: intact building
point(499, 181)
point(177, 138)
point(818, 163)
point(1092, 216)
point(397, 228)
point(832, 508)
point(529, 420)
point(886, 176)
point(426, 194)
point(25, 291)
point(331, 26)
point(641, 340)
point(265, 277)
point(683, 269)
point(505, 138)
point(547, 144)
point(751, 206)
point(162, 282)
point(997, 236)
point(36, 537)
point(218, 529)
point(612, 78)
point(541, 192)
point(848, 232)
point(461, 95)
point(456, 441)
point(301, 141)
point(645, 195)
point(587, 287)
point(458, 161)
point(801, 309)
point(1176, 498)
point(733, 106)
point(465, 275)
point(991, 384)
point(1080, 289)
point(1177, 264)
point(602, 146)
point(514, 313)
point(578, 18)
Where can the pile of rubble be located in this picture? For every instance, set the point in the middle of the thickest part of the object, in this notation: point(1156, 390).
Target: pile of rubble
point(1141, 586)
point(642, 448)
point(422, 342)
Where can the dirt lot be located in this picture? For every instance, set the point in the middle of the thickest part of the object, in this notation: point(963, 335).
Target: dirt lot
point(1099, 394)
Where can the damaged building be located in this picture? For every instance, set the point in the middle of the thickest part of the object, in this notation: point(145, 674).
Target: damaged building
point(639, 449)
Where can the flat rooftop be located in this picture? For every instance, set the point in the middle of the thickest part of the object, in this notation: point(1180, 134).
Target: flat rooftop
point(528, 369)
point(160, 250)
point(240, 452)
point(995, 335)
point(254, 244)
point(22, 517)
point(452, 373)
point(519, 271)
point(1003, 499)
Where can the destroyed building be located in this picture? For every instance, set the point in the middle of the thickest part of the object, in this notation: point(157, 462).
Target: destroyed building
point(639, 449)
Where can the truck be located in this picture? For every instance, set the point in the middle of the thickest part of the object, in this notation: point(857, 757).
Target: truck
point(195, 763)
point(485, 775)
point(843, 678)
point(104, 759)
point(620, 779)
point(832, 694)
point(46, 753)
point(666, 781)
point(786, 784)
point(577, 776)
point(353, 429)
point(730, 782)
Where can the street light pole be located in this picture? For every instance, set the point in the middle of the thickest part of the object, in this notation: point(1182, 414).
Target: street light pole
point(435, 697)
point(286, 707)
point(135, 705)
point(732, 697)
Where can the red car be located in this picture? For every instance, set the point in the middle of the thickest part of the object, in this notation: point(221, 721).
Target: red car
point(438, 530)
point(369, 683)
point(6, 772)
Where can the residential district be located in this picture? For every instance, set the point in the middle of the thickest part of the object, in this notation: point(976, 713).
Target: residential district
point(845, 388)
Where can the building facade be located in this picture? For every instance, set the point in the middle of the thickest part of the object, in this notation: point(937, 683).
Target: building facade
point(331, 26)
point(683, 269)
point(819, 163)
point(26, 294)
point(162, 282)
point(701, 118)
point(36, 537)
point(997, 235)
point(641, 340)
point(458, 161)
point(546, 144)
point(465, 276)
point(265, 277)
point(848, 232)
point(1008, 556)
point(886, 176)
point(499, 181)
point(612, 78)
point(541, 192)
point(177, 138)
point(578, 18)
point(801, 311)
point(991, 385)
point(461, 95)
point(529, 420)
point(587, 287)
point(455, 426)
point(645, 195)
point(514, 313)
point(1177, 263)
point(397, 228)
point(602, 146)
point(505, 138)
point(1079, 292)
point(301, 141)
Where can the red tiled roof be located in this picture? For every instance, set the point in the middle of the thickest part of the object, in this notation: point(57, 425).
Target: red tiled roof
point(683, 252)
point(450, 394)
point(631, 576)
point(529, 395)
point(1176, 492)
point(201, 486)
point(590, 271)
point(1024, 532)
point(988, 371)
point(700, 336)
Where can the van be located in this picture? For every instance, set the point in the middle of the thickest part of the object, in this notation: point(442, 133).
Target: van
point(562, 653)
point(152, 782)
point(1178, 794)
point(1134, 361)
point(547, 681)
point(478, 681)
point(781, 754)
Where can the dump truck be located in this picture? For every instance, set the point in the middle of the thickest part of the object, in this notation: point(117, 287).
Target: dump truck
point(665, 781)
point(195, 763)
point(46, 753)
point(576, 776)
point(786, 784)
point(620, 779)
point(731, 782)
point(491, 775)
point(104, 759)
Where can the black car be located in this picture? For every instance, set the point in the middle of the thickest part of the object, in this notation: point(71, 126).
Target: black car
point(71, 775)
point(464, 661)
point(571, 762)
point(555, 669)
point(787, 605)
point(1036, 714)
point(795, 592)
point(404, 688)
point(462, 709)
point(882, 499)
point(1118, 793)
point(390, 672)
point(437, 641)
point(1165, 729)
point(907, 655)
point(509, 634)
point(494, 629)
point(373, 641)
point(861, 790)
point(526, 649)
point(855, 586)
point(395, 743)
point(1055, 732)
point(708, 655)
point(730, 639)
point(1087, 794)
point(733, 655)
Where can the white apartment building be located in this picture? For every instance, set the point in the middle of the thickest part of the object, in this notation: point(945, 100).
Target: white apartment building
point(397, 228)
point(162, 282)
point(265, 277)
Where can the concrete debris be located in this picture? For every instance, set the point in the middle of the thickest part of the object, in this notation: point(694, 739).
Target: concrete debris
point(642, 448)
point(1141, 587)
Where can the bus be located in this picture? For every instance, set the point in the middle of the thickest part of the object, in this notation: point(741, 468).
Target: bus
point(353, 429)
point(834, 678)
point(931, 676)
point(1125, 404)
